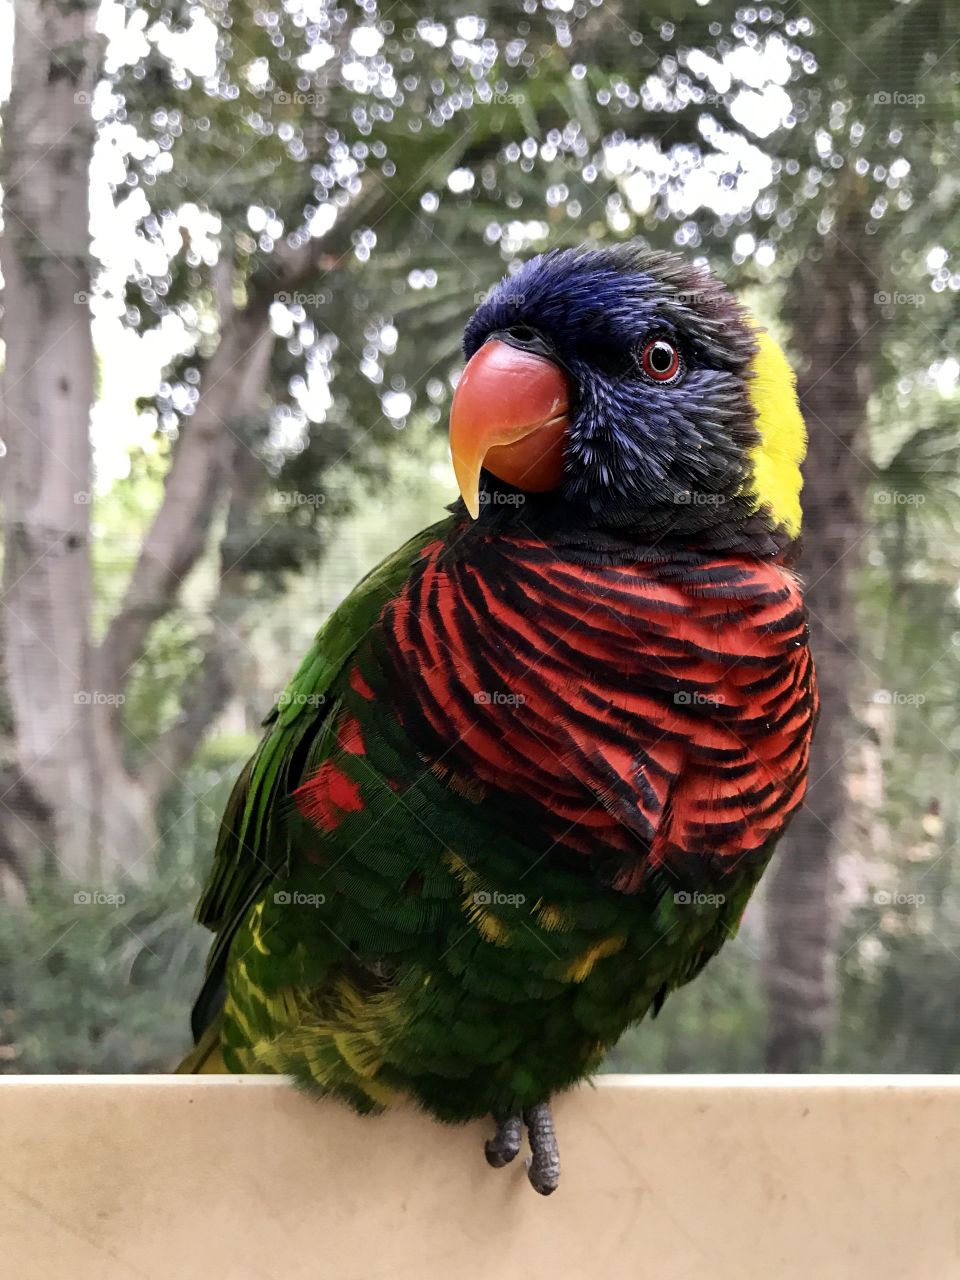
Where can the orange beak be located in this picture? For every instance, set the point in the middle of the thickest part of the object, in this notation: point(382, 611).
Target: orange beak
point(509, 414)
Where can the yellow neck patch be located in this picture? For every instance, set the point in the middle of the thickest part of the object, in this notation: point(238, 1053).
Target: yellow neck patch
point(776, 480)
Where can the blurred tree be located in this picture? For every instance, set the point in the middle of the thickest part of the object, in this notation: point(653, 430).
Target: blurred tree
point(872, 132)
point(47, 388)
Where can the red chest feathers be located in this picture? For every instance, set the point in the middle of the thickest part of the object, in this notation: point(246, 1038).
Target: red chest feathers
point(657, 709)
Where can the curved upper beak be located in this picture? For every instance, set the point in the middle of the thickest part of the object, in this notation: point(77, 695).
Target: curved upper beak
point(509, 414)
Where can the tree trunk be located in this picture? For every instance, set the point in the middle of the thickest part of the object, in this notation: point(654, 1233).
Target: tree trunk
point(196, 482)
point(69, 780)
point(830, 304)
point(47, 388)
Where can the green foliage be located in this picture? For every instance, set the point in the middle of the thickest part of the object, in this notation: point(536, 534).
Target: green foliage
point(713, 1024)
point(94, 987)
point(90, 983)
point(120, 519)
point(899, 1008)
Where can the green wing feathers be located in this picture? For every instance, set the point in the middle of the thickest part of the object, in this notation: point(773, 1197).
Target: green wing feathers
point(253, 846)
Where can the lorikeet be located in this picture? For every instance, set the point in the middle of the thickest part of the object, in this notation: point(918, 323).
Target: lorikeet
point(530, 772)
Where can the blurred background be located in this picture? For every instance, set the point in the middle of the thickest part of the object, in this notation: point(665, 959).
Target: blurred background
point(239, 245)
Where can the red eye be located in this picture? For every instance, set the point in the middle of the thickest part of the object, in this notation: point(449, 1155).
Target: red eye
point(660, 360)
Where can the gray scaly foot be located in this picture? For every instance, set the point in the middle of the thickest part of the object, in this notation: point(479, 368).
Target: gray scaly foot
point(505, 1143)
point(543, 1167)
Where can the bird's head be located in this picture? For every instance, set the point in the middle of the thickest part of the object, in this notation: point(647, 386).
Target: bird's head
point(625, 390)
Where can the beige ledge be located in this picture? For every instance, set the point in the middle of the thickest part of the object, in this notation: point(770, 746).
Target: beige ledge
point(664, 1178)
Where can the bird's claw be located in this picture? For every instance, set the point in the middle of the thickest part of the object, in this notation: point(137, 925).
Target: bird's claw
point(543, 1166)
point(505, 1143)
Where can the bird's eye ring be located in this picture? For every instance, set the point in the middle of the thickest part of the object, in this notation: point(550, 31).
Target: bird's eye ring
point(660, 360)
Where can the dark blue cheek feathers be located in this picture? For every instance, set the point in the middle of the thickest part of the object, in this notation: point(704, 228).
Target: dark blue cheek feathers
point(639, 453)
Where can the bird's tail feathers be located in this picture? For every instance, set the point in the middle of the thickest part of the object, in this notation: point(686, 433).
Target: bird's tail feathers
point(205, 1057)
